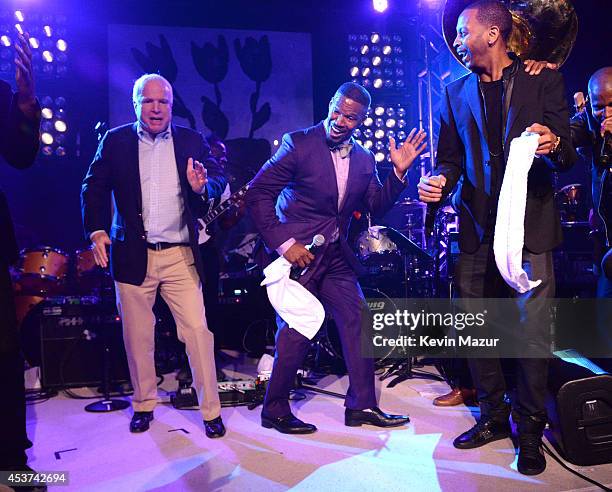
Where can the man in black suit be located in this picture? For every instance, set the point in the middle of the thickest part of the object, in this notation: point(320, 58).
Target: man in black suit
point(19, 123)
point(482, 113)
point(311, 186)
point(159, 186)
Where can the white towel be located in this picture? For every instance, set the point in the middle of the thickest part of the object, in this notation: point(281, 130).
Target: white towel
point(510, 223)
point(294, 304)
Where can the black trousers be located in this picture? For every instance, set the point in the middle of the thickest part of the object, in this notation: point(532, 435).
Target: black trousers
point(478, 277)
point(12, 407)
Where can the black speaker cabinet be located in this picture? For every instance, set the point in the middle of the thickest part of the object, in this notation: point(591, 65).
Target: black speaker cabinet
point(72, 340)
point(580, 413)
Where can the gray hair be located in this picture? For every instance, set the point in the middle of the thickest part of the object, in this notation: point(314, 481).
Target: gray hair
point(141, 82)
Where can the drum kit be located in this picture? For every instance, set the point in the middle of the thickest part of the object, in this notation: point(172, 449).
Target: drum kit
point(49, 273)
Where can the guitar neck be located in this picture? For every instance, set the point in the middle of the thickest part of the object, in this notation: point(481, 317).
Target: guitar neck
point(225, 206)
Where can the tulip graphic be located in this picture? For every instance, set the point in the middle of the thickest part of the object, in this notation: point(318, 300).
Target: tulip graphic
point(256, 62)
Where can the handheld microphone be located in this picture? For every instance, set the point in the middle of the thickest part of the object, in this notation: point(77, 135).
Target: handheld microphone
point(317, 242)
point(579, 102)
point(605, 157)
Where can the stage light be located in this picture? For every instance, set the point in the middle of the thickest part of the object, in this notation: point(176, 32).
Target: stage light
point(47, 30)
point(60, 151)
point(378, 83)
point(401, 135)
point(375, 38)
point(357, 133)
point(379, 122)
point(275, 142)
point(390, 123)
point(47, 150)
point(380, 5)
point(379, 146)
point(390, 134)
point(366, 72)
point(354, 71)
point(390, 111)
point(379, 110)
point(368, 144)
point(61, 45)
point(60, 125)
point(19, 28)
point(60, 102)
point(19, 16)
point(34, 43)
point(368, 133)
point(377, 60)
point(386, 50)
point(46, 138)
point(379, 156)
point(46, 126)
point(5, 40)
point(401, 123)
point(47, 56)
point(368, 121)
point(364, 49)
point(379, 134)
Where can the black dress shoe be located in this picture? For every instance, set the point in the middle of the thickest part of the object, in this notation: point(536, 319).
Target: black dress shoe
point(373, 416)
point(288, 424)
point(484, 432)
point(140, 421)
point(214, 428)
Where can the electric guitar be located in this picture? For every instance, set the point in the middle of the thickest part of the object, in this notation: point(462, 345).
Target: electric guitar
point(216, 212)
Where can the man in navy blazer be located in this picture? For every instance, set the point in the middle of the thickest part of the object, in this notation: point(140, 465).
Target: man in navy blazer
point(159, 186)
point(481, 114)
point(318, 177)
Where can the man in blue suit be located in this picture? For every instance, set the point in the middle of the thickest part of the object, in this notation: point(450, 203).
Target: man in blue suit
point(318, 177)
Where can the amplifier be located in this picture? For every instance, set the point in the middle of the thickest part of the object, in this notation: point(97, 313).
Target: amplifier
point(580, 409)
point(72, 340)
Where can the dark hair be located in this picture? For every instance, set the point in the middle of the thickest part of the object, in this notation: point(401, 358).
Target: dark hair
point(493, 13)
point(356, 92)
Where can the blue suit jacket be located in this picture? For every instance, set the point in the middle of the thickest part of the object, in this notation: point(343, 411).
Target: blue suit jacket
point(295, 193)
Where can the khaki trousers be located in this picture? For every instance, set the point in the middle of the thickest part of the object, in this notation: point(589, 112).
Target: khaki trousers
point(173, 271)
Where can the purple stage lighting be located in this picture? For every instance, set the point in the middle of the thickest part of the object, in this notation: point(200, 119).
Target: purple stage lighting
point(380, 5)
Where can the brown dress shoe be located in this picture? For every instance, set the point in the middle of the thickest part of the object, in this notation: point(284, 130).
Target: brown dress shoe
point(457, 396)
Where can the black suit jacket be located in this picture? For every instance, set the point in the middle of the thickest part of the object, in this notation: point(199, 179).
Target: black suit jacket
point(463, 152)
point(18, 146)
point(295, 193)
point(115, 170)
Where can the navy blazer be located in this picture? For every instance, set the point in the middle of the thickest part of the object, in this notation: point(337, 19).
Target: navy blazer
point(463, 153)
point(115, 169)
point(295, 193)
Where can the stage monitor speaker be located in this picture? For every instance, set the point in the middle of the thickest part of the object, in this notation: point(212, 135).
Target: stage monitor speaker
point(72, 346)
point(580, 409)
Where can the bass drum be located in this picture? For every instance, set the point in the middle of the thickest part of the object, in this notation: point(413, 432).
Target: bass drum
point(377, 300)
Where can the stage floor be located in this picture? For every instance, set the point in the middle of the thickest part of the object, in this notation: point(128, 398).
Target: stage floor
point(100, 453)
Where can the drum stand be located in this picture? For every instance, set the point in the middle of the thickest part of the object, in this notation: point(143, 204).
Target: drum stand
point(107, 404)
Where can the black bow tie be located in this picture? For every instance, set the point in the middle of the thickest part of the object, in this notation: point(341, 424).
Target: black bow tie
point(343, 148)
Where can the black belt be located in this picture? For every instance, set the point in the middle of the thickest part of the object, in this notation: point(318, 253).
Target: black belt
point(160, 246)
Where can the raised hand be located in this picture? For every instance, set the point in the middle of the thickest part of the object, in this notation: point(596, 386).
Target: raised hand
point(24, 74)
point(197, 176)
point(403, 156)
